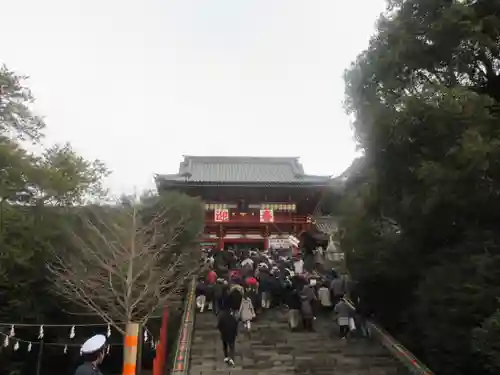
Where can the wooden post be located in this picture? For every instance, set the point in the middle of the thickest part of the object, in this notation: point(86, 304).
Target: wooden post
point(221, 238)
point(161, 346)
point(130, 349)
point(266, 237)
point(140, 343)
point(39, 359)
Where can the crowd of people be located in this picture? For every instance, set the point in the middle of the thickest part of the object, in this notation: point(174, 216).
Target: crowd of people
point(239, 285)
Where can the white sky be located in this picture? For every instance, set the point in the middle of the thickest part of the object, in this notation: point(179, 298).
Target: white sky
point(140, 83)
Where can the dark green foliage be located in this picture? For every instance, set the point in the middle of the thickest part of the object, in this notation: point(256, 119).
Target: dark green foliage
point(30, 224)
point(43, 199)
point(15, 113)
point(421, 209)
point(123, 262)
point(185, 214)
point(486, 341)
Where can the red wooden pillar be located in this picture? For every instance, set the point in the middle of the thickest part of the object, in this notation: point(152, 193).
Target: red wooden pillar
point(221, 237)
point(265, 234)
point(161, 347)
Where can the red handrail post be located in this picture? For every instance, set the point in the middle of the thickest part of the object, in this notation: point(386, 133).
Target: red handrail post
point(161, 347)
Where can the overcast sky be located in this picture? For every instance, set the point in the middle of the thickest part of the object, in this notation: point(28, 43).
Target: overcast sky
point(139, 83)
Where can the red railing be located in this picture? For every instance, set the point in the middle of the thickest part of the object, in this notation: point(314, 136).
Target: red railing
point(161, 348)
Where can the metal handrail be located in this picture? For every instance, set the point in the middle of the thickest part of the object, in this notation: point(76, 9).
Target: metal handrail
point(183, 349)
point(397, 349)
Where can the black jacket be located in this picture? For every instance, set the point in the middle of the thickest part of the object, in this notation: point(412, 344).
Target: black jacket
point(294, 301)
point(234, 299)
point(227, 325)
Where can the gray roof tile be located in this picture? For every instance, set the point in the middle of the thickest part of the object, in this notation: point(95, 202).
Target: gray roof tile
point(242, 169)
point(326, 224)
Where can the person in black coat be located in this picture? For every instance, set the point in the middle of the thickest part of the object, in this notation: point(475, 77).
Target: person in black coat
point(294, 304)
point(220, 292)
point(228, 328)
point(234, 297)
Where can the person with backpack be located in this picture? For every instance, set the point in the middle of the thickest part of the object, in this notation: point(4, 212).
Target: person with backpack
point(294, 305)
point(343, 314)
point(247, 312)
point(201, 294)
point(227, 325)
point(307, 299)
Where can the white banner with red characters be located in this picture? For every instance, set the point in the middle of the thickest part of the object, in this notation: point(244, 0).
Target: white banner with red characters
point(266, 216)
point(294, 241)
point(279, 243)
point(221, 214)
point(283, 242)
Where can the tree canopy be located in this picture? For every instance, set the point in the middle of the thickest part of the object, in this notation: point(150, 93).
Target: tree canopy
point(50, 200)
point(420, 224)
point(126, 262)
point(35, 190)
point(28, 182)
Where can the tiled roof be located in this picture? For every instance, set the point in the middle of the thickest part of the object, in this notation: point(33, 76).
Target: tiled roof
point(326, 224)
point(242, 170)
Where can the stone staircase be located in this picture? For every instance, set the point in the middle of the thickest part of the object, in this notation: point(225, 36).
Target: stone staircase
point(272, 349)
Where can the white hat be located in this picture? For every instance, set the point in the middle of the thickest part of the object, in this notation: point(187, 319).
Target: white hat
point(94, 344)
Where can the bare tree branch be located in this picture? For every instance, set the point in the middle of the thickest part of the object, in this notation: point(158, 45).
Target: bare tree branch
point(122, 265)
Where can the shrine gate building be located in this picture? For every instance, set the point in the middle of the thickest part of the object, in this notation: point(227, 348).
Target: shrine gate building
point(257, 201)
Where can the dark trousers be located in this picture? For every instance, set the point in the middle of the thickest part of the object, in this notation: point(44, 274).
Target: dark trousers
point(217, 306)
point(308, 324)
point(228, 348)
point(335, 298)
point(360, 321)
point(344, 330)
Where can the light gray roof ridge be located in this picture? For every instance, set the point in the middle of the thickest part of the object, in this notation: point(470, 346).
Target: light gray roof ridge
point(220, 157)
point(243, 169)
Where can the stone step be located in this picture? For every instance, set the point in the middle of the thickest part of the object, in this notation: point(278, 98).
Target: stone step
point(272, 349)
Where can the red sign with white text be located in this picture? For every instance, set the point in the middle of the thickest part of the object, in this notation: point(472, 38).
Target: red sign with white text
point(221, 215)
point(266, 216)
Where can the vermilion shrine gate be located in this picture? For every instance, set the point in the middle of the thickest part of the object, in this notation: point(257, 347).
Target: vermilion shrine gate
point(260, 201)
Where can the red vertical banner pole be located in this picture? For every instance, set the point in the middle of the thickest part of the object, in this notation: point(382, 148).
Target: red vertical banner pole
point(161, 347)
point(221, 238)
point(266, 237)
